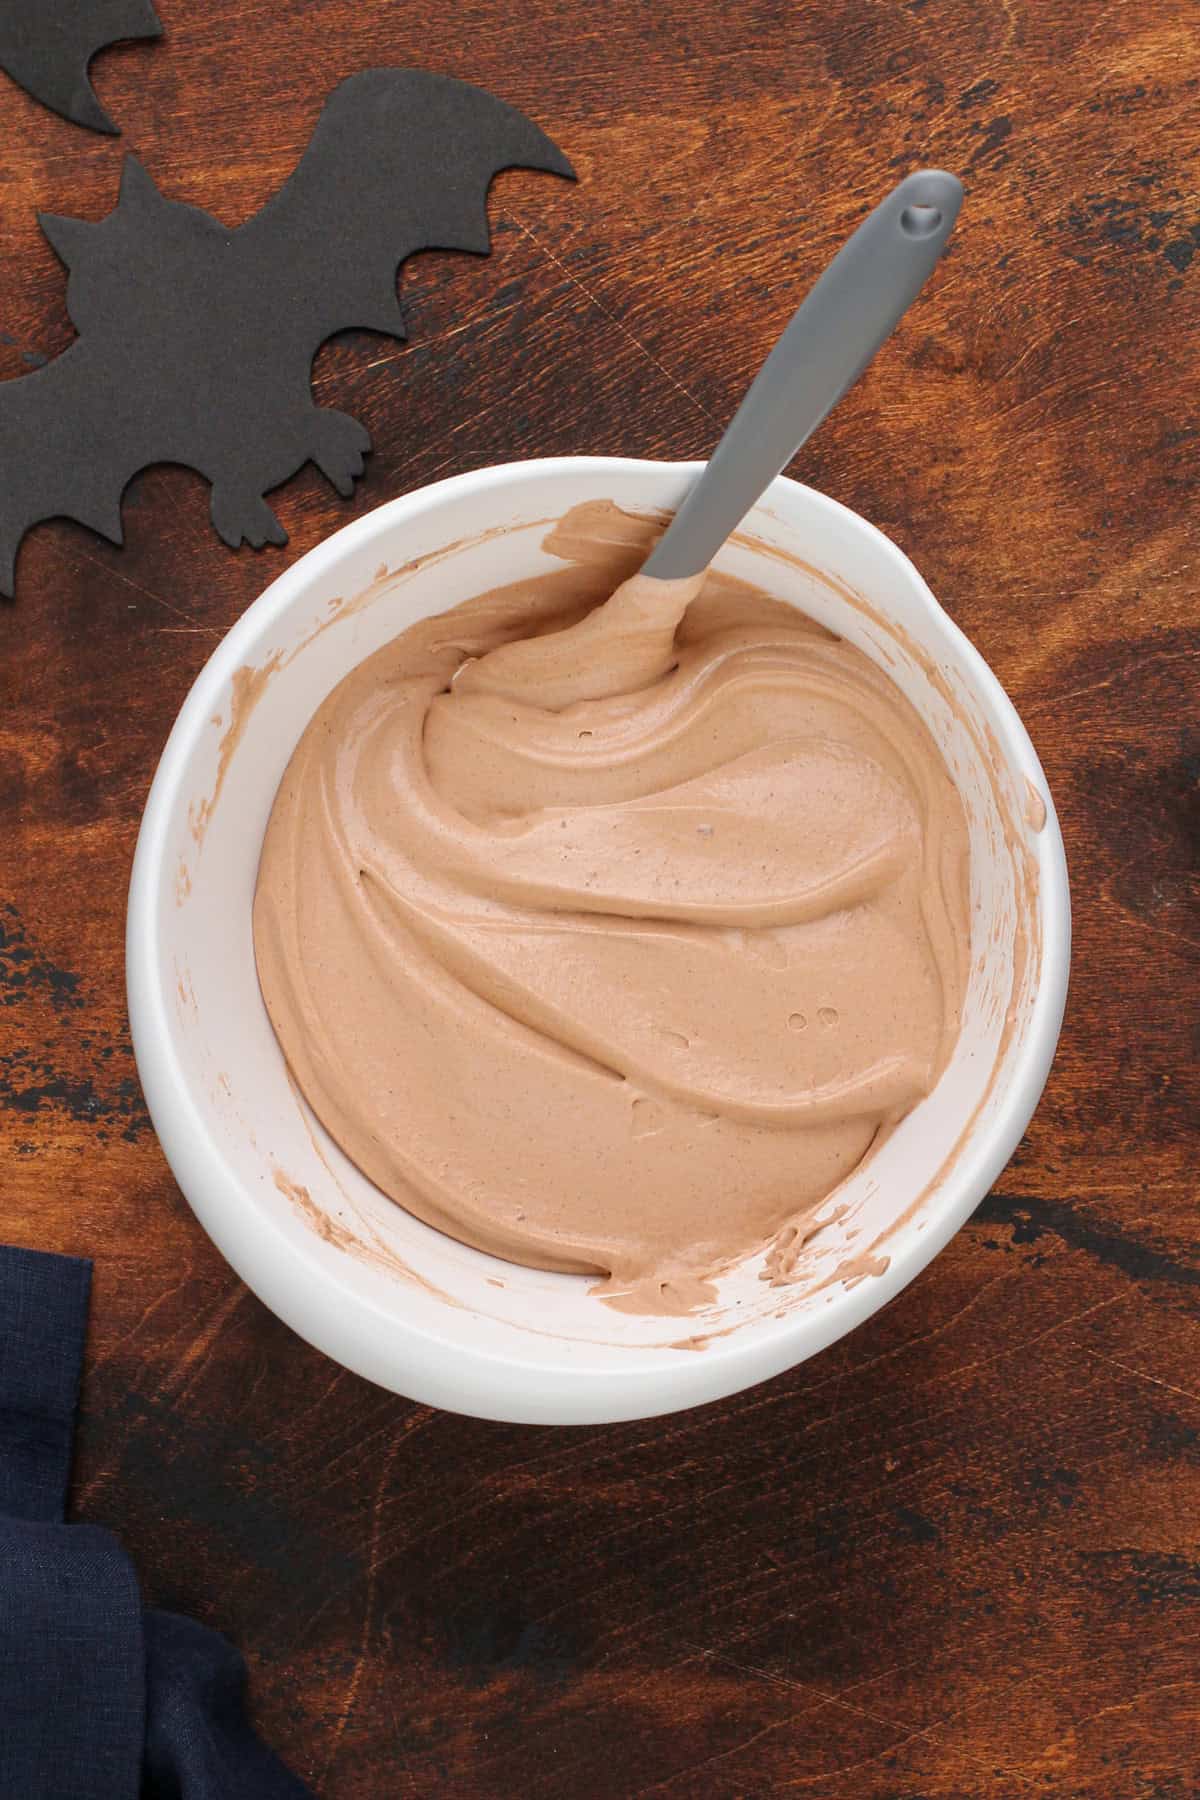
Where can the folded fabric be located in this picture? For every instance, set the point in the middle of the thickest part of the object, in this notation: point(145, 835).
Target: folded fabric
point(98, 1699)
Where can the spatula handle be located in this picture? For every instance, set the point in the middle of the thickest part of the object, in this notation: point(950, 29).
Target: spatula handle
point(832, 336)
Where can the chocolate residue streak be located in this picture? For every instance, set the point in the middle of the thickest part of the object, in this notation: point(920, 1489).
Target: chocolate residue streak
point(510, 833)
point(185, 991)
point(786, 1261)
point(315, 1216)
point(366, 1243)
point(249, 685)
point(1035, 807)
point(857, 1268)
point(183, 883)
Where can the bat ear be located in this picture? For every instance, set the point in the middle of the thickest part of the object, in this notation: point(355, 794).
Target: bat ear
point(142, 20)
point(137, 187)
point(545, 155)
point(69, 238)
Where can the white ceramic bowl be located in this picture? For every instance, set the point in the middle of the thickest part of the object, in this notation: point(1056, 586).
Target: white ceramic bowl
point(346, 1268)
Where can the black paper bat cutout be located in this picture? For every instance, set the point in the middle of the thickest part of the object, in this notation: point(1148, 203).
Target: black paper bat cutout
point(46, 46)
point(196, 342)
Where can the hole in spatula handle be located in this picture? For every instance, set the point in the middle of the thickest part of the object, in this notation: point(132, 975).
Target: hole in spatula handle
point(920, 221)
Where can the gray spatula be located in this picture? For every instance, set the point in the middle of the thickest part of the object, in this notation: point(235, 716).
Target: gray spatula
point(627, 642)
point(834, 333)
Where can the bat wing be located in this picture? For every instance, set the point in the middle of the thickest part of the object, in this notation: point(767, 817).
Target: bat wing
point(400, 161)
point(196, 342)
point(43, 419)
point(47, 48)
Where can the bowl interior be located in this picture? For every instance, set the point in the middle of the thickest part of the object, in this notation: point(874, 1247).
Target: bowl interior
point(264, 1176)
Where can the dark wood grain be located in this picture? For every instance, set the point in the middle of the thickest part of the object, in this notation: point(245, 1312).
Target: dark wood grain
point(957, 1555)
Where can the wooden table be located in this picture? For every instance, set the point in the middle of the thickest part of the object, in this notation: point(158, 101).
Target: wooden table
point(959, 1553)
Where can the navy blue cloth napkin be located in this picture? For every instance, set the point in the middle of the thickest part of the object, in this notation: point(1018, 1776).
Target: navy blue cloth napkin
point(98, 1699)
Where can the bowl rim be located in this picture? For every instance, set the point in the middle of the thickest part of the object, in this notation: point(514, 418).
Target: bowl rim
point(446, 1372)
